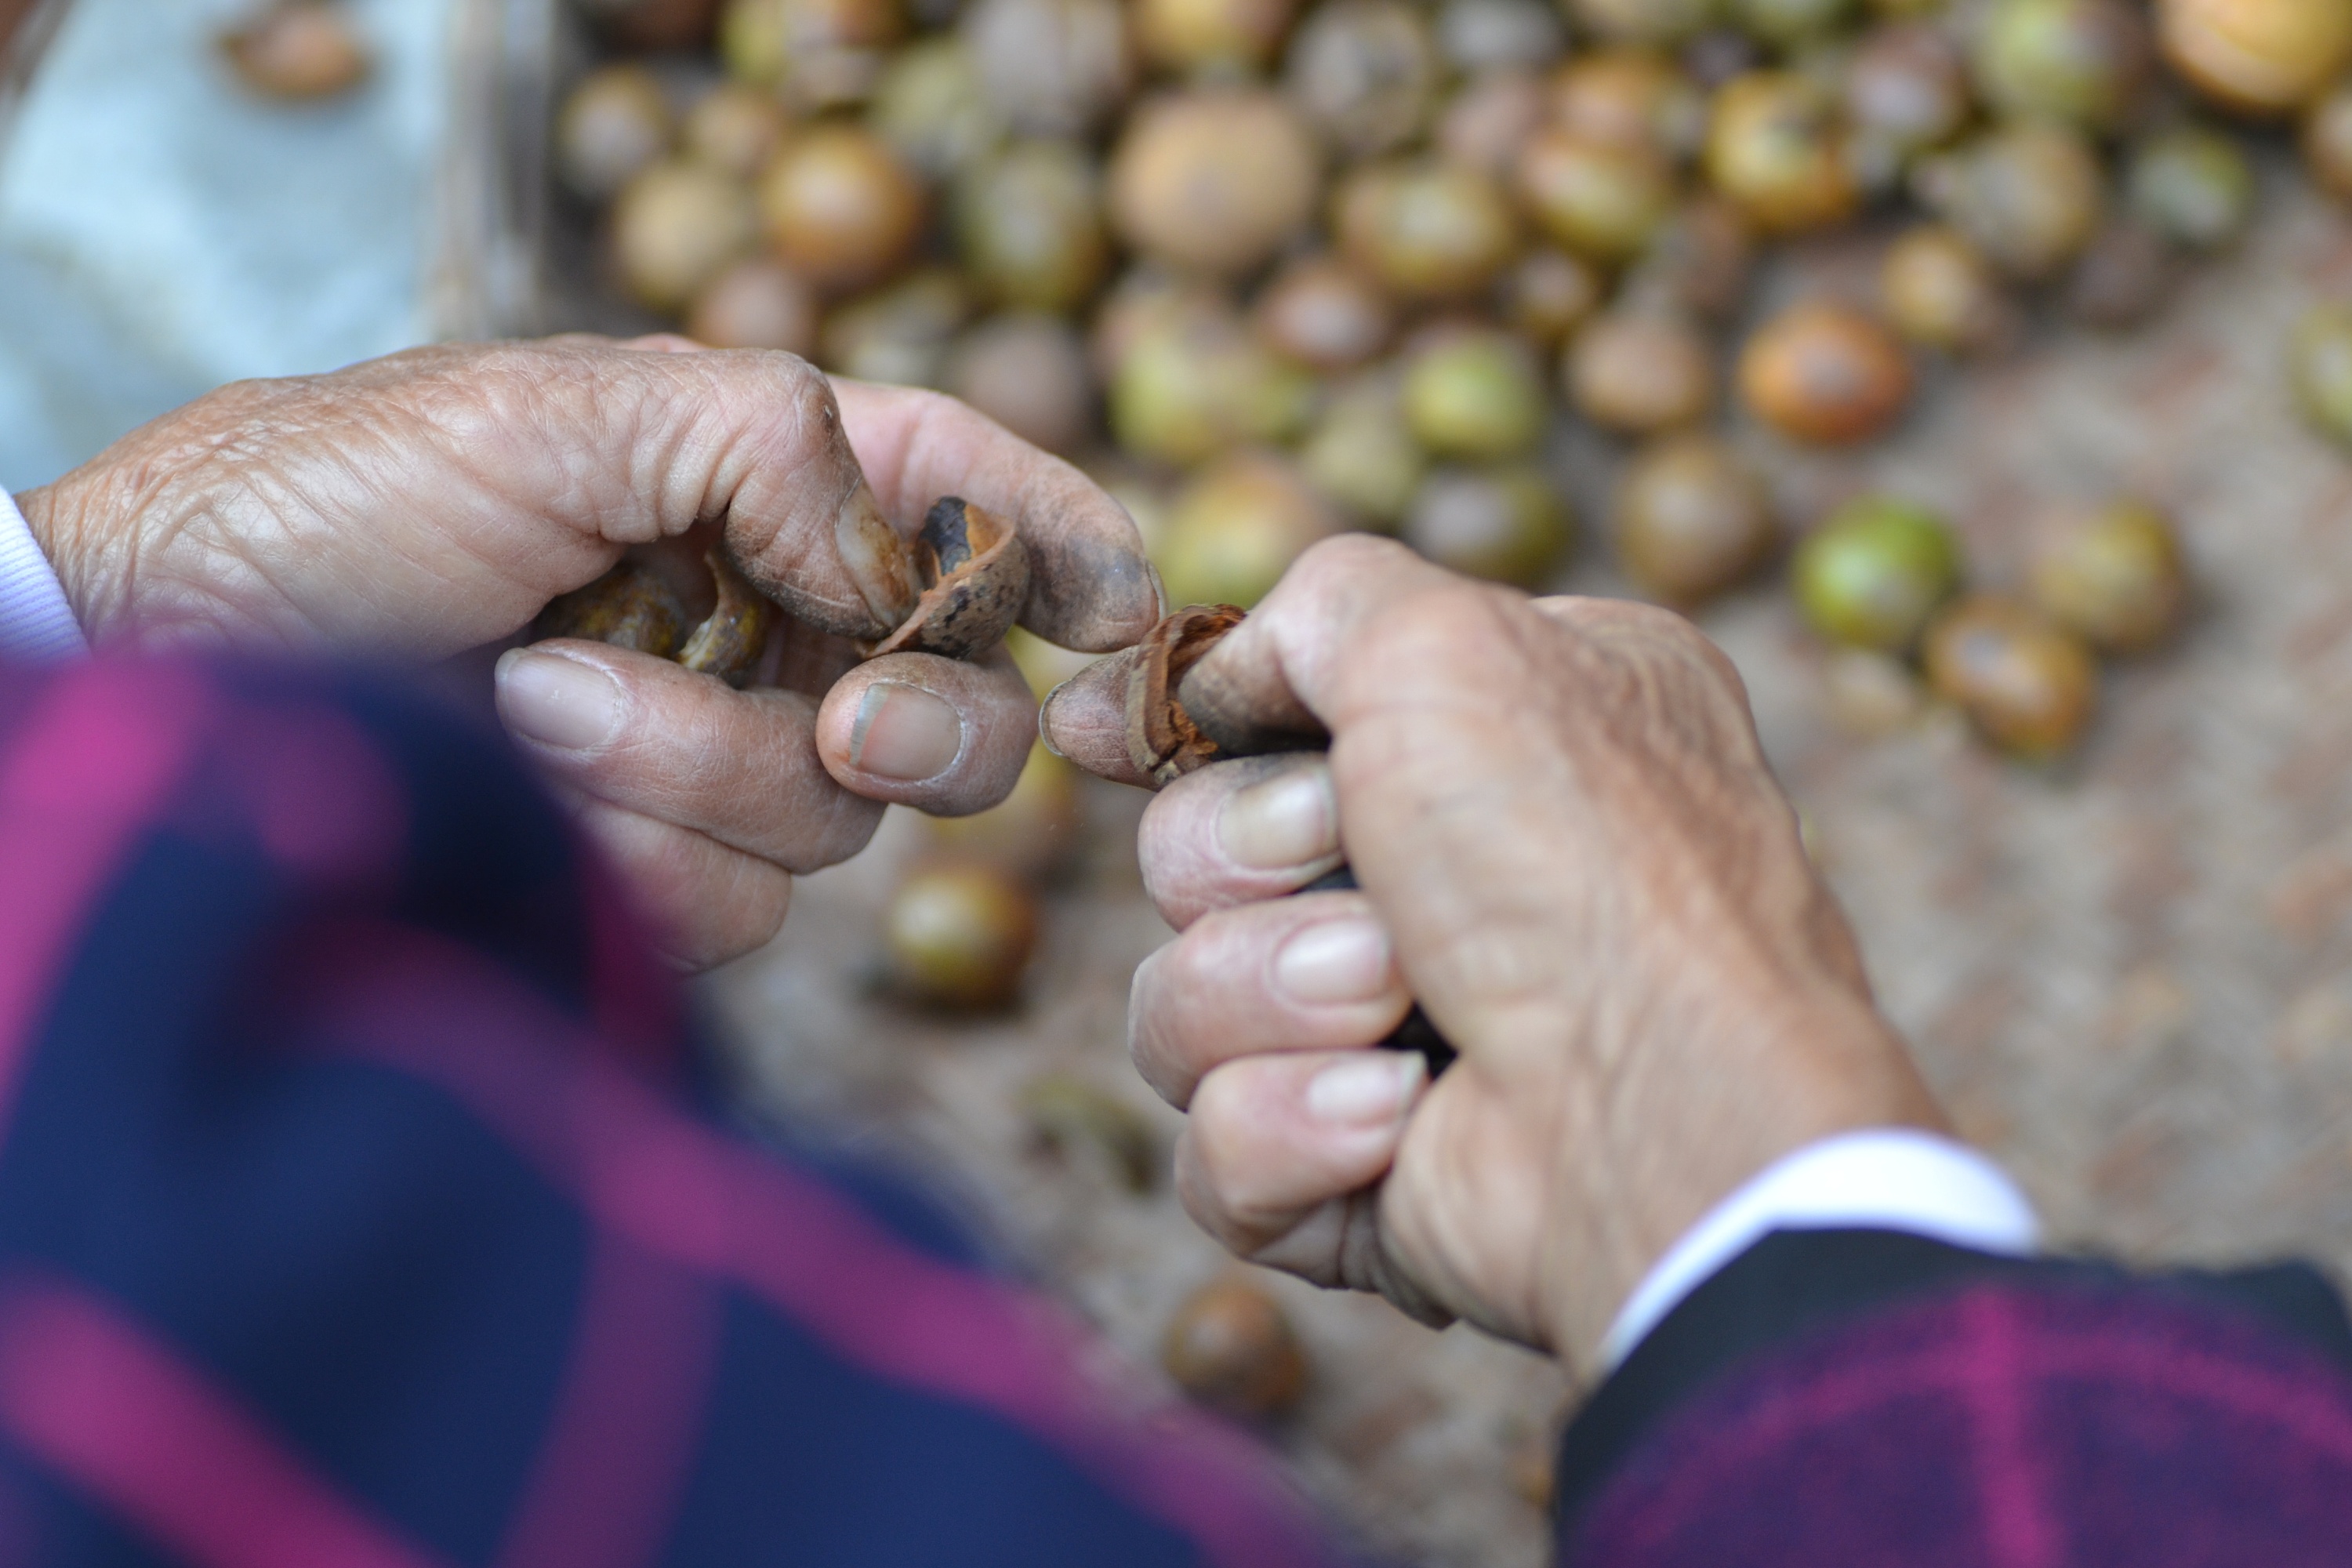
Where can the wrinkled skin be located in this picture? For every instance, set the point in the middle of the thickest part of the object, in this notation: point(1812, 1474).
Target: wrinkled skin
point(1572, 853)
point(429, 504)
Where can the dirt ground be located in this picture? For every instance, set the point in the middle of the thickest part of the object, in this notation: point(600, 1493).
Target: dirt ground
point(2127, 975)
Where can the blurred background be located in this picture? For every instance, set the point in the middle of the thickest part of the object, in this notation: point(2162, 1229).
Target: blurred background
point(1978, 374)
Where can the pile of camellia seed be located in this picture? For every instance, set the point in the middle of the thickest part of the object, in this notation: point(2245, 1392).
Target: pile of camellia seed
point(1275, 270)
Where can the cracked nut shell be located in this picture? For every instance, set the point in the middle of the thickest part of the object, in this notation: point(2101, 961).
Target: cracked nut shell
point(975, 573)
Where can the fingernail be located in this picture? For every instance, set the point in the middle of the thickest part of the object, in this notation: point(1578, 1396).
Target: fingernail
point(904, 733)
point(879, 564)
point(1286, 820)
point(1367, 1091)
point(558, 701)
point(1335, 960)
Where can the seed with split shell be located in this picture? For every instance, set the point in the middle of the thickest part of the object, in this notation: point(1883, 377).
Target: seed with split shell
point(1232, 1348)
point(2113, 576)
point(1826, 373)
point(2258, 56)
point(1692, 518)
point(2028, 684)
point(298, 52)
point(961, 935)
point(975, 573)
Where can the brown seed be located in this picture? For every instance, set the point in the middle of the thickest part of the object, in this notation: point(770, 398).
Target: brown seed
point(1483, 125)
point(1032, 832)
point(1186, 35)
point(1028, 223)
point(614, 125)
point(1826, 373)
point(1236, 528)
point(1425, 229)
point(2029, 686)
point(627, 607)
point(1231, 1347)
point(2127, 272)
point(756, 304)
point(1507, 523)
point(2112, 575)
point(1365, 74)
point(1214, 180)
point(1028, 373)
point(2258, 56)
point(1939, 289)
point(736, 128)
point(653, 26)
point(675, 227)
point(300, 51)
point(1699, 263)
point(961, 935)
point(1634, 98)
point(1550, 294)
point(840, 208)
point(1638, 373)
point(1325, 314)
point(1605, 203)
point(1691, 519)
point(2029, 195)
point(1776, 150)
point(1051, 68)
point(2328, 143)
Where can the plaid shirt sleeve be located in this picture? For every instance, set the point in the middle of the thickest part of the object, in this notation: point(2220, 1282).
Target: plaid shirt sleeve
point(358, 1207)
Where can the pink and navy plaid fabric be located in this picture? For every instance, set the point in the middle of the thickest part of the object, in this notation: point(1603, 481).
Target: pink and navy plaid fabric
point(361, 1204)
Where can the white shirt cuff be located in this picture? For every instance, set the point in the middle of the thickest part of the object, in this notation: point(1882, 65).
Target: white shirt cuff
point(37, 624)
point(1889, 1179)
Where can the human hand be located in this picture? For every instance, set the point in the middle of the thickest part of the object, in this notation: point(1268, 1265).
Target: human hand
point(433, 502)
point(1572, 853)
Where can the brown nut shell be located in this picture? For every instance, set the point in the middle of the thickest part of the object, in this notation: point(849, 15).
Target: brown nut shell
point(1162, 740)
point(976, 573)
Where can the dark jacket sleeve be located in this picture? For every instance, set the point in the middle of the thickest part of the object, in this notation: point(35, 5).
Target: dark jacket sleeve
point(361, 1202)
point(1866, 1396)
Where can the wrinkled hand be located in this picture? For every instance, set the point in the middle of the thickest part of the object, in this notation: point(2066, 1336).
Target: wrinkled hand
point(433, 502)
point(1571, 851)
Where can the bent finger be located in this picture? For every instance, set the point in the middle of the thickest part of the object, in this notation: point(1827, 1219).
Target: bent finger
point(1239, 832)
point(739, 768)
point(1312, 973)
point(707, 903)
point(945, 736)
point(1273, 1139)
point(1091, 587)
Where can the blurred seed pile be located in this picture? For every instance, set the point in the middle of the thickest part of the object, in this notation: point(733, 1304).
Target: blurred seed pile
point(1275, 270)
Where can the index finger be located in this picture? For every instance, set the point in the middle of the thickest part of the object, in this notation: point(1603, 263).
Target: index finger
point(1091, 587)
